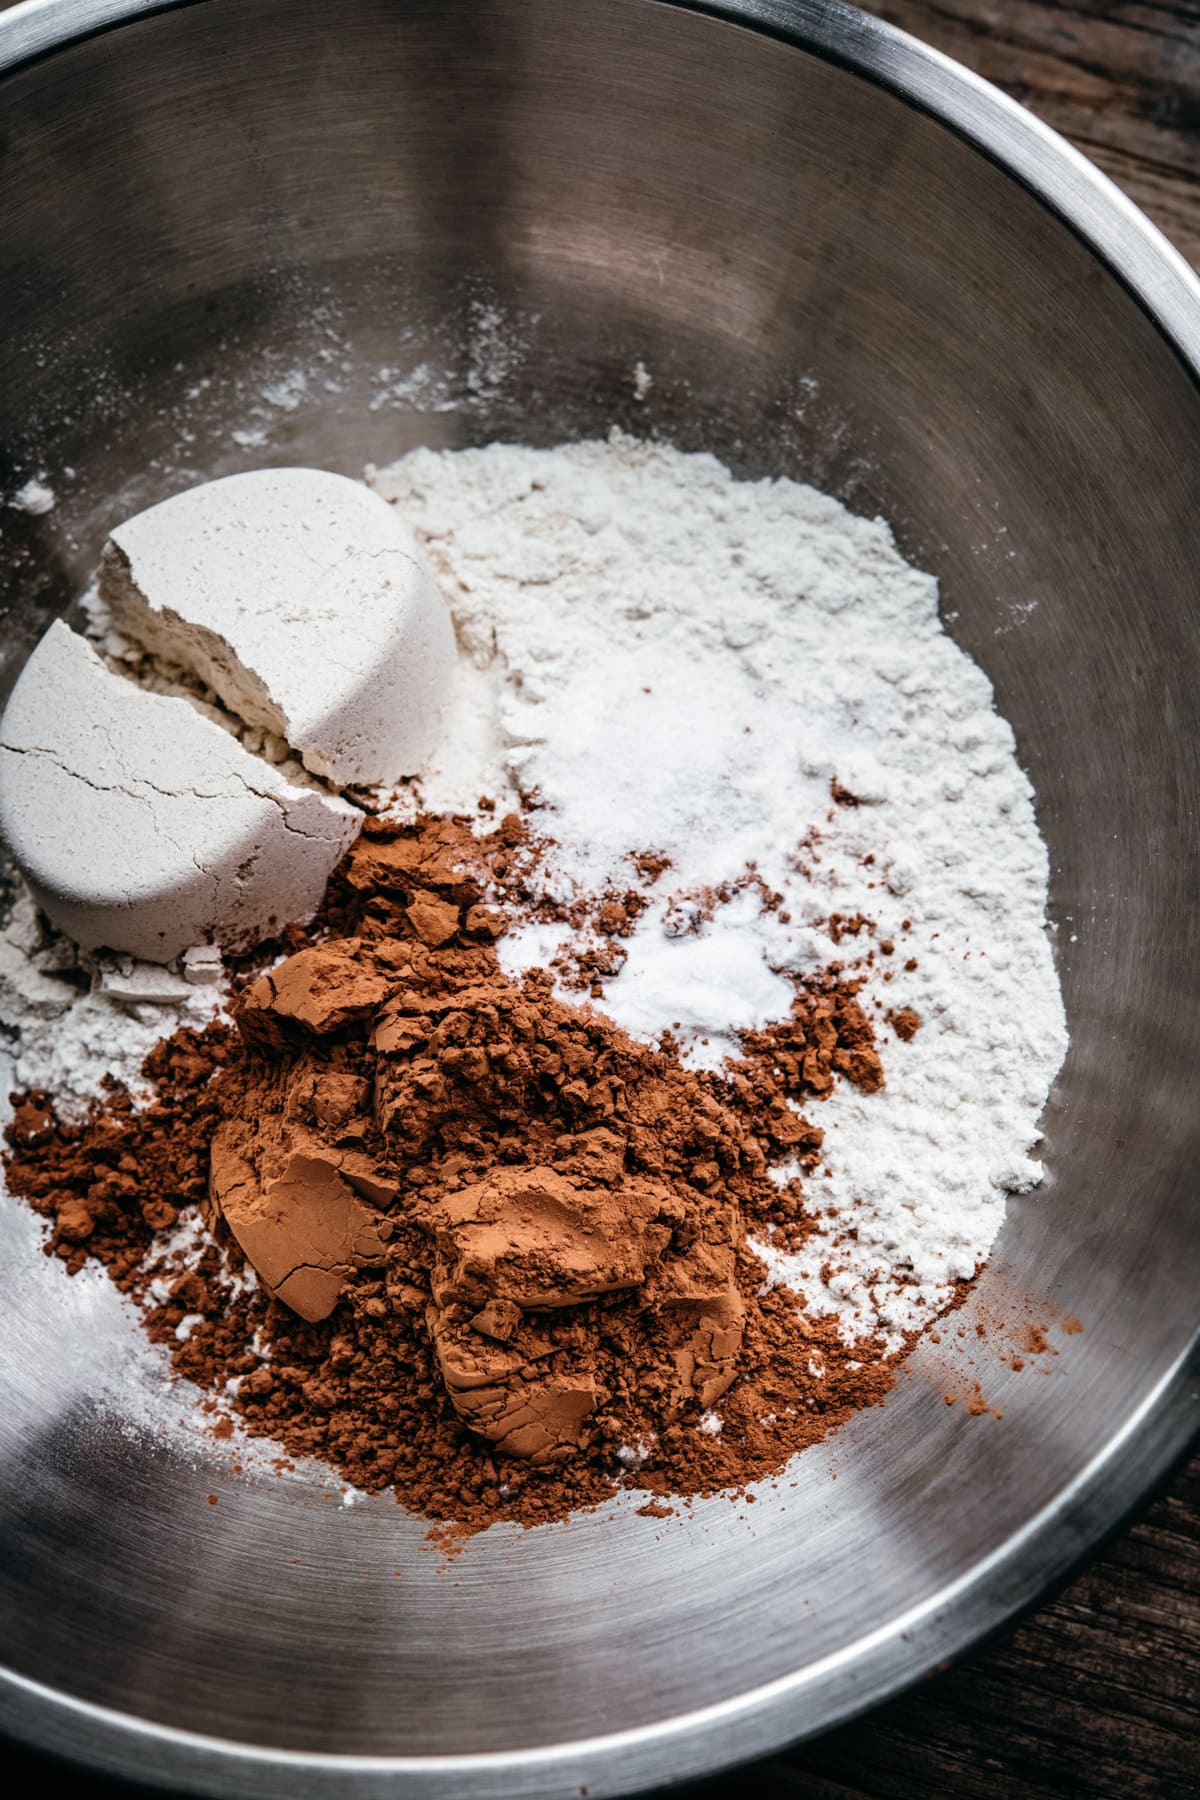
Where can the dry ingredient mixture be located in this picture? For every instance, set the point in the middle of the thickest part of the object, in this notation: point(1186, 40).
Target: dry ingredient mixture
point(471, 1205)
point(630, 1139)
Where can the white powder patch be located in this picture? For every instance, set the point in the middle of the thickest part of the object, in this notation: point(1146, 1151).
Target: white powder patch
point(36, 496)
point(494, 347)
point(680, 662)
point(288, 391)
point(704, 986)
point(65, 1023)
point(425, 388)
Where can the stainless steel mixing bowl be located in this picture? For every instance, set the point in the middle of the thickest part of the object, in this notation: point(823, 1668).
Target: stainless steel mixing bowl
point(840, 257)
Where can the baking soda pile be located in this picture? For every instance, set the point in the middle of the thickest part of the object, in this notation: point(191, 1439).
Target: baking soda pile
point(730, 712)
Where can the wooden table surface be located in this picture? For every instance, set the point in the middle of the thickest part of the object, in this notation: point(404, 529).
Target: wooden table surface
point(1097, 1693)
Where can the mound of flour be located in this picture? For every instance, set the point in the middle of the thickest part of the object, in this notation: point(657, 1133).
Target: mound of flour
point(683, 663)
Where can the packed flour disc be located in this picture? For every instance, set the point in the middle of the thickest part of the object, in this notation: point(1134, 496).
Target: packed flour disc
point(142, 826)
point(304, 603)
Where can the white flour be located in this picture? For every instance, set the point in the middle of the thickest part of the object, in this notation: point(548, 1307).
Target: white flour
point(68, 1018)
point(36, 496)
point(681, 662)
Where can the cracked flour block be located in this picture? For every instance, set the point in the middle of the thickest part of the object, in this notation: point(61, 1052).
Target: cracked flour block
point(304, 601)
point(141, 826)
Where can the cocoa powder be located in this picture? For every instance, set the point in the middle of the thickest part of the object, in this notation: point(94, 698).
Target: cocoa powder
point(501, 1246)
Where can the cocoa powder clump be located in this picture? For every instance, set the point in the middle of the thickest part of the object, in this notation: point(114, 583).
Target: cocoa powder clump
point(110, 1184)
point(501, 1246)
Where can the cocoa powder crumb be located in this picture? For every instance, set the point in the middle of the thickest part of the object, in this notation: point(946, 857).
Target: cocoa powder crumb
point(650, 864)
point(904, 1022)
point(977, 1407)
point(842, 925)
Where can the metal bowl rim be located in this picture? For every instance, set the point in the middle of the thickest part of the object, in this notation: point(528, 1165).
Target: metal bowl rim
point(1123, 1472)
